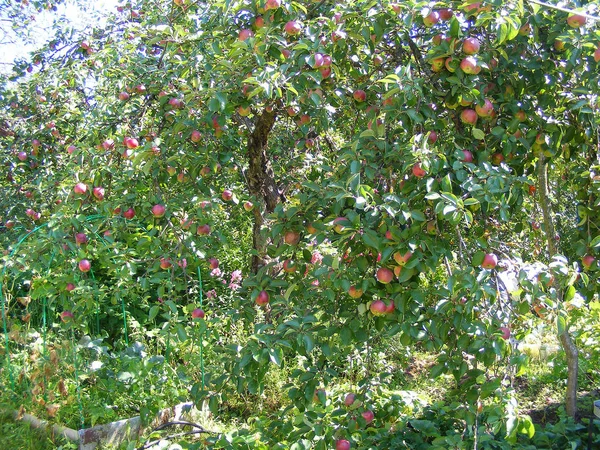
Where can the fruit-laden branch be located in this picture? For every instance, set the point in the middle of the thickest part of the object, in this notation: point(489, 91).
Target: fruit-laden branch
point(261, 182)
point(571, 351)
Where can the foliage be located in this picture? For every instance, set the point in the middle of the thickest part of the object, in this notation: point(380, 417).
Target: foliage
point(388, 177)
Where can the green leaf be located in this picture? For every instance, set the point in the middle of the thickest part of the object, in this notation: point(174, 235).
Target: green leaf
point(478, 134)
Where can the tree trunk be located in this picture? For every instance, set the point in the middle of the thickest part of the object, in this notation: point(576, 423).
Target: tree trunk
point(261, 184)
point(568, 345)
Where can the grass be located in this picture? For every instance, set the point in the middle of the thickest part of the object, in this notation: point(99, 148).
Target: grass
point(22, 436)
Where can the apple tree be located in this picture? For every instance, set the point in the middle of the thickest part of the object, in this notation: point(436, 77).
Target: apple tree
point(369, 167)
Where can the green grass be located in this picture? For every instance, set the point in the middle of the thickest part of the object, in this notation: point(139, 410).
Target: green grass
point(21, 435)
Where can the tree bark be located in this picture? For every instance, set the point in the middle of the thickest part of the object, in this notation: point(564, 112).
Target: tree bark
point(261, 184)
point(568, 345)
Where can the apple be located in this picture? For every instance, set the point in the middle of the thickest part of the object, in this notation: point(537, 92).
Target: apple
point(432, 137)
point(355, 292)
point(227, 195)
point(196, 136)
point(525, 30)
point(490, 261)
point(438, 64)
point(248, 206)
point(521, 116)
point(402, 259)
point(310, 229)
point(80, 188)
point(339, 224)
point(368, 415)
point(108, 144)
point(338, 35)
point(576, 20)
point(66, 316)
point(131, 143)
point(291, 237)
point(587, 261)
point(81, 238)
point(359, 95)
point(431, 19)
point(445, 14)
point(390, 307)
point(342, 444)
point(505, 332)
point(198, 314)
point(469, 66)
point(158, 210)
point(262, 298)
point(176, 102)
point(272, 4)
point(165, 263)
point(377, 308)
point(243, 111)
point(98, 192)
point(597, 54)
point(9, 224)
point(293, 27)
point(129, 214)
point(418, 171)
point(325, 72)
point(70, 287)
point(203, 230)
point(349, 399)
point(289, 266)
point(486, 110)
point(123, 96)
point(378, 60)
point(468, 116)
point(22, 156)
point(497, 158)
point(384, 275)
point(467, 156)
point(85, 265)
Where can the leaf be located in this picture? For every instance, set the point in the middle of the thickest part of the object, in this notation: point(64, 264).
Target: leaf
point(153, 312)
point(276, 356)
point(478, 134)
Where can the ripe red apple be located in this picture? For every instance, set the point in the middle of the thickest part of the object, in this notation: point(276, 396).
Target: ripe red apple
point(468, 156)
point(377, 308)
point(66, 316)
point(272, 4)
point(203, 230)
point(431, 19)
point(497, 158)
point(165, 263)
point(262, 298)
point(505, 332)
point(293, 27)
point(9, 224)
point(227, 195)
point(81, 238)
point(289, 266)
point(85, 265)
point(123, 96)
point(129, 214)
point(291, 237)
point(355, 292)
point(80, 188)
point(368, 415)
point(402, 259)
point(22, 156)
point(213, 263)
point(445, 14)
point(158, 210)
point(490, 261)
point(349, 399)
point(325, 72)
point(471, 46)
point(131, 143)
point(196, 136)
point(468, 116)
point(243, 111)
point(438, 64)
point(391, 306)
point(485, 110)
point(587, 261)
point(108, 144)
point(70, 287)
point(432, 137)
point(359, 95)
point(469, 66)
point(71, 149)
point(248, 206)
point(198, 314)
point(521, 116)
point(342, 444)
point(418, 171)
point(98, 192)
point(597, 54)
point(576, 20)
point(385, 275)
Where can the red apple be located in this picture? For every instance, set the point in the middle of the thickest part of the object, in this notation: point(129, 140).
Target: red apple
point(196, 136)
point(431, 19)
point(467, 156)
point(576, 20)
point(248, 206)
point(505, 332)
point(227, 195)
point(98, 192)
point(203, 230)
point(597, 54)
point(108, 144)
point(131, 143)
point(198, 314)
point(349, 399)
point(471, 46)
point(468, 116)
point(293, 27)
point(325, 72)
point(377, 308)
point(432, 137)
point(272, 4)
point(289, 266)
point(402, 259)
point(70, 287)
point(521, 116)
point(485, 110)
point(368, 415)
point(355, 292)
point(85, 265)
point(66, 316)
point(71, 149)
point(123, 96)
point(262, 298)
point(438, 64)
point(80, 188)
point(291, 237)
point(469, 66)
point(9, 224)
point(81, 238)
point(165, 263)
point(391, 306)
point(213, 263)
point(587, 261)
point(359, 95)
point(385, 275)
point(445, 14)
point(22, 156)
point(342, 444)
point(497, 158)
point(129, 214)
point(490, 261)
point(243, 111)
point(158, 210)
point(418, 171)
